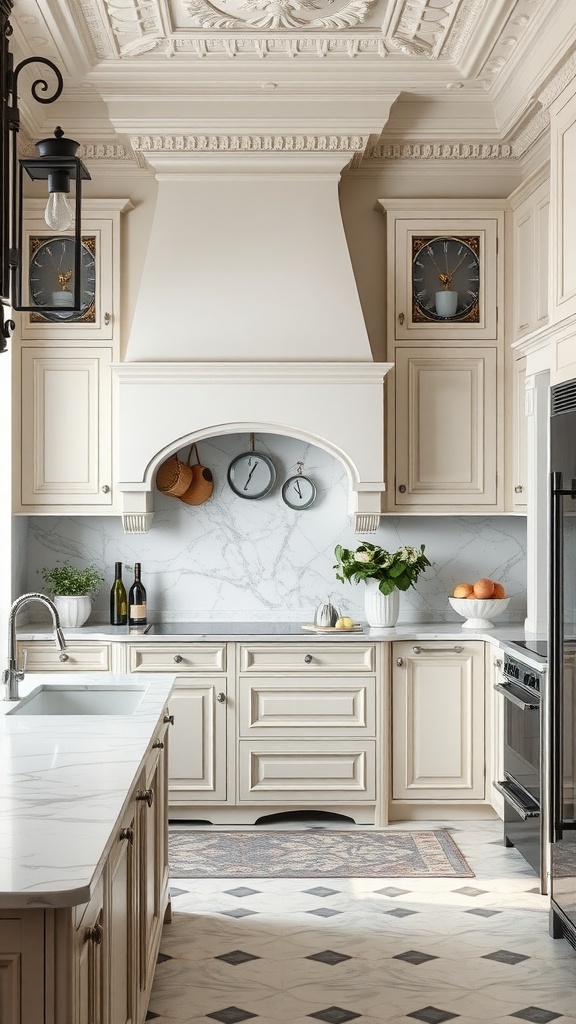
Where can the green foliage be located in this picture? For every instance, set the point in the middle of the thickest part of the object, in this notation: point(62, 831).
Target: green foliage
point(67, 581)
point(396, 570)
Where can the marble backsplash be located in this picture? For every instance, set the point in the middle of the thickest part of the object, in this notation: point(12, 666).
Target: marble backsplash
point(258, 560)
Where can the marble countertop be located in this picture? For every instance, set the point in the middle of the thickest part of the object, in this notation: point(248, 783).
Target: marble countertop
point(65, 783)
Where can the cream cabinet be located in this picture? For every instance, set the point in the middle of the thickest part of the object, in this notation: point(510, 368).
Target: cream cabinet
point(198, 742)
point(438, 738)
point(65, 430)
point(22, 984)
point(79, 656)
point(530, 259)
point(517, 490)
point(563, 235)
point(443, 429)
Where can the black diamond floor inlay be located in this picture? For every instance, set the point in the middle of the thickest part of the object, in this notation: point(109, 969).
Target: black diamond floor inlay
point(151, 1016)
point(329, 956)
point(335, 1015)
point(162, 958)
point(482, 912)
point(238, 913)
point(432, 1015)
point(321, 890)
point(469, 890)
point(400, 912)
point(412, 956)
point(391, 891)
point(242, 890)
point(536, 1015)
point(505, 956)
point(324, 912)
point(237, 956)
point(178, 892)
point(231, 1015)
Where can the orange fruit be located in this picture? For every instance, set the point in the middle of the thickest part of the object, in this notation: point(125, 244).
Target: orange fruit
point(463, 590)
point(483, 589)
point(499, 591)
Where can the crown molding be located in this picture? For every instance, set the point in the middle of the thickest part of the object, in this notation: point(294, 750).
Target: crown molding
point(249, 143)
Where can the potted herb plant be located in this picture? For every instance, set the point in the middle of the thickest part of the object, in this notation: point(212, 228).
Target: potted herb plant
point(385, 574)
point(72, 590)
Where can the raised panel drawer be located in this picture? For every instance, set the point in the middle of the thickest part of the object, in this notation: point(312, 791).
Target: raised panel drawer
point(279, 705)
point(46, 657)
point(177, 658)
point(317, 770)
point(301, 658)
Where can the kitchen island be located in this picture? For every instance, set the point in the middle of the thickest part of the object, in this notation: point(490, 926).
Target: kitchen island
point(83, 855)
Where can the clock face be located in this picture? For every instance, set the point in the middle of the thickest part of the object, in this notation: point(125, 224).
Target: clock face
point(51, 278)
point(251, 475)
point(446, 279)
point(299, 492)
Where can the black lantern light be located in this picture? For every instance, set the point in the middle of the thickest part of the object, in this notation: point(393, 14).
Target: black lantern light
point(57, 164)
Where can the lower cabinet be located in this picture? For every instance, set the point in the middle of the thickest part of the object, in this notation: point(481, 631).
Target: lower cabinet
point(94, 963)
point(438, 732)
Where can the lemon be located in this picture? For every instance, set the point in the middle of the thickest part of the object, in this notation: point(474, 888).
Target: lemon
point(344, 623)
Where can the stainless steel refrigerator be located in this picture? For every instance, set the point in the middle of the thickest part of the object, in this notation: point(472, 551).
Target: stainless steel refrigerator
point(559, 763)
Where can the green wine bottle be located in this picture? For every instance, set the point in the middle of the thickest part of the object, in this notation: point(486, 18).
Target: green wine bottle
point(118, 600)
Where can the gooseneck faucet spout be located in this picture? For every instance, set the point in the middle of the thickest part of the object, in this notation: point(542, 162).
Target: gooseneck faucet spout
point(12, 675)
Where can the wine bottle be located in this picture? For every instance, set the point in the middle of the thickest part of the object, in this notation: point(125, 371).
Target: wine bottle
point(118, 599)
point(137, 600)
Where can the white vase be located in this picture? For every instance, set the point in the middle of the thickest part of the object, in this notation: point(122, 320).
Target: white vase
point(381, 610)
point(73, 611)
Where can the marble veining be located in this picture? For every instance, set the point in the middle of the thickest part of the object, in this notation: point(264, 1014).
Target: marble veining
point(231, 559)
point(65, 781)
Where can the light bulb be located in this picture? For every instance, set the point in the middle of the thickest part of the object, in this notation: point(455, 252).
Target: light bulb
point(59, 213)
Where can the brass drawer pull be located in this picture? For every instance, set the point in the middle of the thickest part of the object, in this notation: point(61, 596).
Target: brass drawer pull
point(64, 657)
point(168, 719)
point(127, 833)
point(157, 745)
point(221, 698)
point(147, 795)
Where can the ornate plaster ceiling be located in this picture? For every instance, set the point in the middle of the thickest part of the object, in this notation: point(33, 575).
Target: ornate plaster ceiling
point(420, 79)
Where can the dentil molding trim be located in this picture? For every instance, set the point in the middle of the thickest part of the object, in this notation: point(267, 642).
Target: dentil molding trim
point(249, 143)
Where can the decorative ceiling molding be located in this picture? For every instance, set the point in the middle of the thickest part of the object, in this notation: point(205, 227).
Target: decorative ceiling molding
point(559, 82)
point(276, 14)
point(531, 131)
point(248, 143)
point(322, 46)
point(441, 151)
point(420, 27)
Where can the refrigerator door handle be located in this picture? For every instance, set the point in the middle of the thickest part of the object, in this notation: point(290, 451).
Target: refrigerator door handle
point(556, 657)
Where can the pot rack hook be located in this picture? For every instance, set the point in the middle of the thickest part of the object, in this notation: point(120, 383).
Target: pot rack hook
point(251, 442)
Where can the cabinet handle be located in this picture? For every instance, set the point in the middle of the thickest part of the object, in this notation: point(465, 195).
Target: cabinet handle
point(157, 745)
point(402, 488)
point(401, 318)
point(498, 663)
point(168, 719)
point(518, 489)
point(221, 698)
point(147, 795)
point(105, 489)
point(307, 658)
point(107, 318)
point(438, 650)
point(178, 658)
point(399, 662)
point(127, 833)
point(64, 657)
point(94, 934)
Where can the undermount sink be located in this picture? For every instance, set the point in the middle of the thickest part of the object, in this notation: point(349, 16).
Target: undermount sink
point(54, 699)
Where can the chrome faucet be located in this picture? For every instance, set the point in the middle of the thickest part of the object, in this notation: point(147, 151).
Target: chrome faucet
point(13, 675)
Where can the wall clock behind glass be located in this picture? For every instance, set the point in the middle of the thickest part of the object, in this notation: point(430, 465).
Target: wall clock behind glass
point(446, 279)
point(51, 278)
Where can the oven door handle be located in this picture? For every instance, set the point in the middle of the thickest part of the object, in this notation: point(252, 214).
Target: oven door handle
point(514, 697)
point(510, 798)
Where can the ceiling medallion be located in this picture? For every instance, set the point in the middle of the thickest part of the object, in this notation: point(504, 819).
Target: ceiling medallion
point(275, 14)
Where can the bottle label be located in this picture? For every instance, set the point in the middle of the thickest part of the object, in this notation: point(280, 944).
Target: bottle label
point(137, 611)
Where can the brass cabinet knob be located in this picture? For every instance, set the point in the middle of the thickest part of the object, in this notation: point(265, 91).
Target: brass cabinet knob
point(168, 719)
point(64, 657)
point(307, 658)
point(402, 488)
point(178, 658)
point(158, 745)
point(105, 489)
point(518, 489)
point(400, 662)
point(94, 934)
point(221, 698)
point(127, 833)
point(147, 795)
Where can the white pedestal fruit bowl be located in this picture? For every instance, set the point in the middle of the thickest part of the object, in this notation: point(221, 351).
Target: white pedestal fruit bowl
point(478, 613)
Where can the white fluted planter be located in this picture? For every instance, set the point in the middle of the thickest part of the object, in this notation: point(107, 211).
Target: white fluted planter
point(381, 610)
point(73, 611)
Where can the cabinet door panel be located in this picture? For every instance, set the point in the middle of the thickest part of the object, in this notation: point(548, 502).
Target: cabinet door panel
point(66, 427)
point(319, 770)
point(280, 705)
point(308, 658)
point(446, 427)
point(438, 724)
point(22, 966)
point(197, 755)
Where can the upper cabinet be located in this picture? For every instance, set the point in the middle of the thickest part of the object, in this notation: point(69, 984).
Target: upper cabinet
point(563, 235)
point(530, 258)
point(48, 255)
point(444, 273)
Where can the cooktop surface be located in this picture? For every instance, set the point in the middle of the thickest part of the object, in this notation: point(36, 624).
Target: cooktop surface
point(220, 628)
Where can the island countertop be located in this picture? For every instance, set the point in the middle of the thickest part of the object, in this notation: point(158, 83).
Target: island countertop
point(65, 783)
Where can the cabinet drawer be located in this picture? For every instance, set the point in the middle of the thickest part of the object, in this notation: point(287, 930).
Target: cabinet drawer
point(45, 657)
point(307, 658)
point(275, 705)
point(177, 658)
point(308, 772)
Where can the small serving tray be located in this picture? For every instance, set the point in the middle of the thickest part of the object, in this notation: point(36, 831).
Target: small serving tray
point(332, 629)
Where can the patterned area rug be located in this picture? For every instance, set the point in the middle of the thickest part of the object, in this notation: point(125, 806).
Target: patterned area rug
point(315, 853)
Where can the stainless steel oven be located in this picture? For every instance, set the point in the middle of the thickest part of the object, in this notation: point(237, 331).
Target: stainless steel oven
point(521, 783)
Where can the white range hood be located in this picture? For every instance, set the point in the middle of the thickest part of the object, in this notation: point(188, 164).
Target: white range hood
point(248, 320)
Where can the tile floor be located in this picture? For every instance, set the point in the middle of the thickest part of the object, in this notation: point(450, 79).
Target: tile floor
point(399, 950)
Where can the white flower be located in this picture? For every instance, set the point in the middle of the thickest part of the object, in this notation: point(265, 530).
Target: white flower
point(362, 556)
